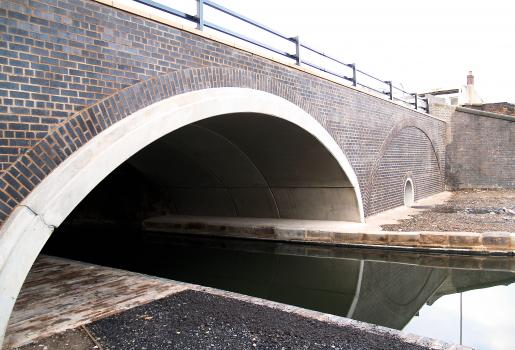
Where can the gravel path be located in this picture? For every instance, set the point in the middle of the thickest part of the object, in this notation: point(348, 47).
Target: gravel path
point(196, 320)
point(72, 339)
point(467, 210)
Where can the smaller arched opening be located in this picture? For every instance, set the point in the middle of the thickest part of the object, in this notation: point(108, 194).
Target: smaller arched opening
point(409, 193)
point(407, 150)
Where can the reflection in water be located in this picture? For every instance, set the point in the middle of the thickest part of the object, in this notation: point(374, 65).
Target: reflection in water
point(339, 281)
point(487, 318)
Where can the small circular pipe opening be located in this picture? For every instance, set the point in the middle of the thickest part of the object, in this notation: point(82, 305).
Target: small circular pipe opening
point(409, 193)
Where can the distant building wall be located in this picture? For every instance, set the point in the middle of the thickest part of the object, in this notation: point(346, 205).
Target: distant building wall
point(481, 150)
point(500, 107)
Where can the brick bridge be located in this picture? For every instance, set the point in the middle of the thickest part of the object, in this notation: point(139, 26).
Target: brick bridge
point(192, 123)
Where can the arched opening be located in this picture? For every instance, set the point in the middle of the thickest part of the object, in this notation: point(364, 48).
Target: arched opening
point(226, 151)
point(409, 193)
point(240, 165)
point(243, 165)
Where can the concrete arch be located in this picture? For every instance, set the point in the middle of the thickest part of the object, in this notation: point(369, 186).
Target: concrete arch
point(244, 165)
point(394, 132)
point(30, 224)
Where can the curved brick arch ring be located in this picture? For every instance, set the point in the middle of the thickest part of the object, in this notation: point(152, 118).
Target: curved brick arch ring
point(77, 155)
point(396, 130)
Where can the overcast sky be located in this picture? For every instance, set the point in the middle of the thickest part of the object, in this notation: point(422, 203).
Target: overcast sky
point(422, 44)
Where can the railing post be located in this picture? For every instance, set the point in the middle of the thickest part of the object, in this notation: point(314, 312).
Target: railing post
point(427, 105)
point(416, 100)
point(354, 79)
point(200, 14)
point(297, 50)
point(390, 85)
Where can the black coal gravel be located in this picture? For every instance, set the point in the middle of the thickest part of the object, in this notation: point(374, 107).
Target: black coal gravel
point(197, 320)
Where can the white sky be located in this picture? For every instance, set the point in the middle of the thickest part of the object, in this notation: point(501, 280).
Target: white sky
point(422, 44)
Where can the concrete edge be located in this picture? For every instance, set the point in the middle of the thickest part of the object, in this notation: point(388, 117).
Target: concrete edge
point(164, 18)
point(488, 243)
point(434, 259)
point(409, 338)
point(485, 114)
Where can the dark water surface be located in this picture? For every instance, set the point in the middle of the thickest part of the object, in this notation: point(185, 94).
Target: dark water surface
point(419, 293)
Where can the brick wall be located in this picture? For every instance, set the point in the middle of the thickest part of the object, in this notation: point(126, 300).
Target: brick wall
point(58, 58)
point(410, 155)
point(481, 152)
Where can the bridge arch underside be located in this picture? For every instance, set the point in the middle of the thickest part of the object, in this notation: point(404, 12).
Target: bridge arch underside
point(220, 151)
point(233, 165)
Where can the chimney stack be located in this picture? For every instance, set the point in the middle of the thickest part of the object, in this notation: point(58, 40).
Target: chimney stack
point(470, 78)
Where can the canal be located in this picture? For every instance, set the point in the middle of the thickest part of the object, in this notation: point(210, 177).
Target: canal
point(467, 299)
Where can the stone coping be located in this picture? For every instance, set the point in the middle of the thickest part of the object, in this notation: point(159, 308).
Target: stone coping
point(468, 110)
point(487, 243)
point(501, 263)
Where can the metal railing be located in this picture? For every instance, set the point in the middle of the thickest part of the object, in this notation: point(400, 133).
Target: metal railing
point(351, 74)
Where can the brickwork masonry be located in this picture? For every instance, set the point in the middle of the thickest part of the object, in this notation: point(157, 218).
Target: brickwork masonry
point(71, 68)
point(481, 150)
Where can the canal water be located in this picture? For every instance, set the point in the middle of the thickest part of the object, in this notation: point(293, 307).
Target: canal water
point(453, 298)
